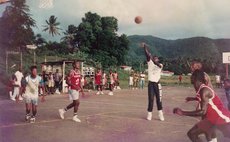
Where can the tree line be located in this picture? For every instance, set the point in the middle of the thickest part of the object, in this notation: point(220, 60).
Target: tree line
point(95, 38)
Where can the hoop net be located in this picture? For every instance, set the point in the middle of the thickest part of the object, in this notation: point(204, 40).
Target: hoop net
point(46, 4)
point(4, 1)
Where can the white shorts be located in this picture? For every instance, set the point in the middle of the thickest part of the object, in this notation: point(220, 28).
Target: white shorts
point(50, 84)
point(16, 91)
point(112, 82)
point(31, 99)
point(130, 83)
point(73, 94)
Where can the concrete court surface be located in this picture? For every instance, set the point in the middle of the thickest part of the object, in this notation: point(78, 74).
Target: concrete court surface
point(117, 118)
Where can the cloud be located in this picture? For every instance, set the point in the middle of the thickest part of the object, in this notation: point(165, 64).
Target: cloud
point(169, 19)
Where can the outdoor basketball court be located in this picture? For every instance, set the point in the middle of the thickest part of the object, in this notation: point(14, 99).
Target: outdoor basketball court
point(118, 118)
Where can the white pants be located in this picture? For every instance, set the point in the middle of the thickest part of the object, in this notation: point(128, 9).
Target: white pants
point(16, 92)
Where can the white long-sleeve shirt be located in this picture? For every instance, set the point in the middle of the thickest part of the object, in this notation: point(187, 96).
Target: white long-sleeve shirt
point(154, 72)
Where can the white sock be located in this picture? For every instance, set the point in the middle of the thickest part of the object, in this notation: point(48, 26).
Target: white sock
point(10, 94)
point(149, 116)
point(160, 112)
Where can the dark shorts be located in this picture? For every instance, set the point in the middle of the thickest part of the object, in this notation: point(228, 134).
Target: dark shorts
point(208, 127)
point(225, 129)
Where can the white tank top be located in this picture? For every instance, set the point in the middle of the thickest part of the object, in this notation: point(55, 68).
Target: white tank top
point(154, 72)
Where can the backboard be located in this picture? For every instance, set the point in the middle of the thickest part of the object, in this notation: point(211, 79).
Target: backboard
point(45, 3)
point(226, 57)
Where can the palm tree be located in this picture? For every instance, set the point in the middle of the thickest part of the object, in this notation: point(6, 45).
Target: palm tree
point(70, 37)
point(16, 25)
point(52, 26)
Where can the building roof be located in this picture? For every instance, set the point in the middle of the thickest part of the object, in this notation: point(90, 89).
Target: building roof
point(60, 62)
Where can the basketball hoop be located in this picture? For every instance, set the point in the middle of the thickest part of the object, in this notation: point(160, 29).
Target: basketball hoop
point(4, 1)
point(226, 57)
point(226, 61)
point(46, 4)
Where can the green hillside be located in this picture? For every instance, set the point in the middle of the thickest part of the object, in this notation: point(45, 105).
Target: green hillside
point(201, 48)
point(197, 47)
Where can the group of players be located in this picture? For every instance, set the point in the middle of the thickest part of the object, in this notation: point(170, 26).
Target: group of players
point(34, 82)
point(210, 108)
point(102, 81)
point(212, 111)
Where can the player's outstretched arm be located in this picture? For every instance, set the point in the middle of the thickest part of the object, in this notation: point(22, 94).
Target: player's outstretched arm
point(189, 99)
point(147, 53)
point(205, 95)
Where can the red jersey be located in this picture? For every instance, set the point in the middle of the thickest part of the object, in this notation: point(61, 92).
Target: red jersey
point(75, 79)
point(216, 112)
point(98, 77)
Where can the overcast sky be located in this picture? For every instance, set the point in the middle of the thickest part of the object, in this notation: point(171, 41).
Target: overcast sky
point(169, 19)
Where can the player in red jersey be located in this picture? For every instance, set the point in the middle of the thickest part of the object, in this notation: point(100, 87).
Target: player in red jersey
point(98, 82)
point(74, 81)
point(212, 110)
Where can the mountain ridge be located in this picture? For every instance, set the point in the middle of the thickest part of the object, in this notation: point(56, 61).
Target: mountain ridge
point(194, 47)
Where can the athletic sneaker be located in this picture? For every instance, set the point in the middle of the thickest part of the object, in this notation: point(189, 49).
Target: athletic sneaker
point(20, 98)
point(13, 99)
point(102, 93)
point(61, 113)
point(110, 93)
point(76, 119)
point(149, 116)
point(161, 116)
point(98, 93)
point(32, 119)
point(57, 92)
point(27, 117)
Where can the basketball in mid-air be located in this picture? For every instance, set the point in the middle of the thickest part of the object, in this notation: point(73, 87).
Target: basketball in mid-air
point(138, 19)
